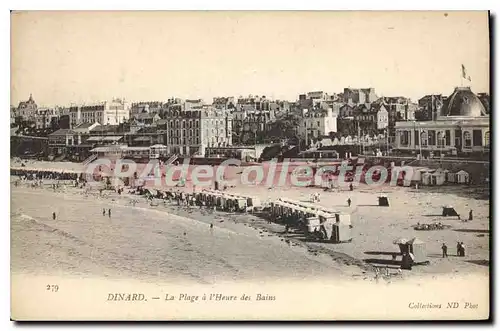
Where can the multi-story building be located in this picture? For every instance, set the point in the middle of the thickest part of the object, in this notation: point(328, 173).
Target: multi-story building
point(189, 104)
point(27, 109)
point(318, 100)
point(316, 124)
point(402, 107)
point(252, 117)
point(191, 131)
point(61, 141)
point(346, 110)
point(224, 103)
point(382, 117)
point(47, 118)
point(365, 118)
point(429, 107)
point(106, 113)
point(148, 107)
point(359, 95)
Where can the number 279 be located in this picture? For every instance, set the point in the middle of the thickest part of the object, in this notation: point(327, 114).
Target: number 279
point(52, 288)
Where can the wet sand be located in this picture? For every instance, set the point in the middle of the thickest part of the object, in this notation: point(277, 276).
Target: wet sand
point(145, 244)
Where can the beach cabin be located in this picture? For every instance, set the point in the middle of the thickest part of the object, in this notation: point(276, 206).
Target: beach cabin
point(342, 229)
point(438, 177)
point(417, 174)
point(426, 178)
point(462, 177)
point(451, 177)
point(415, 248)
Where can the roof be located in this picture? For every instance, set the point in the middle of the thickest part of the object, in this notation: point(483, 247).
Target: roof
point(142, 139)
point(105, 128)
point(62, 132)
point(85, 125)
point(463, 102)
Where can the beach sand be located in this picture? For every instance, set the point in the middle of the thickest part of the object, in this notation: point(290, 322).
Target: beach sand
point(148, 242)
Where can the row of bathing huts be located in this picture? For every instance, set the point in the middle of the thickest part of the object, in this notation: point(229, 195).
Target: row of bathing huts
point(316, 222)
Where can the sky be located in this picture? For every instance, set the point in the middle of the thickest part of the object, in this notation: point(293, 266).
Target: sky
point(84, 57)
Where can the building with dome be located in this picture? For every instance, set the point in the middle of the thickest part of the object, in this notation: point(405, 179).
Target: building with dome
point(460, 126)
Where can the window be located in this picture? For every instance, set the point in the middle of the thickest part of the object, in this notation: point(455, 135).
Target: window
point(487, 138)
point(404, 138)
point(423, 137)
point(432, 137)
point(477, 136)
point(467, 139)
point(440, 139)
point(417, 140)
point(458, 138)
point(447, 138)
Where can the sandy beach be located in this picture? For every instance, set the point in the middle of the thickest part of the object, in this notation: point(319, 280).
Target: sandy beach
point(171, 242)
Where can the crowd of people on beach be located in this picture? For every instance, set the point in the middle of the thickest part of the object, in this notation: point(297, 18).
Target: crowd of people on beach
point(30, 174)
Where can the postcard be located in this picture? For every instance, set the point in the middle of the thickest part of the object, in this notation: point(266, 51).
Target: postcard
point(250, 165)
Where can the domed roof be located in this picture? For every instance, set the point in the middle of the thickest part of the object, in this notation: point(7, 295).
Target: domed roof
point(463, 102)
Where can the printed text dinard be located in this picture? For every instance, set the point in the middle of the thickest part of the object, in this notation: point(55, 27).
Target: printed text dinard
point(185, 297)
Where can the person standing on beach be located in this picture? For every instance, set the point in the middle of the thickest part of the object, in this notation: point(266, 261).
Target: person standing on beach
point(470, 215)
point(54, 216)
point(104, 212)
point(349, 202)
point(444, 248)
point(462, 249)
point(459, 249)
point(109, 212)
